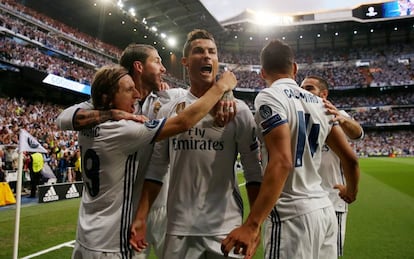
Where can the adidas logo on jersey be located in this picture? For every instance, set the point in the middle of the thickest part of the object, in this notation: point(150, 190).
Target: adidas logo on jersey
point(72, 192)
point(50, 195)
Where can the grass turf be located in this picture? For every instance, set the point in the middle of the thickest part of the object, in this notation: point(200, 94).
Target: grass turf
point(380, 223)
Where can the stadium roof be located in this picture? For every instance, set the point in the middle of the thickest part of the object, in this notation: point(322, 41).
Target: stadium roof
point(159, 22)
point(223, 10)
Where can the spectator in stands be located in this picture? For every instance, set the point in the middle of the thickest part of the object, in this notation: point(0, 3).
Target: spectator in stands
point(35, 167)
point(78, 167)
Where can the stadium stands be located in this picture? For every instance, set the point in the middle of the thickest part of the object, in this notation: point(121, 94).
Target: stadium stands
point(373, 84)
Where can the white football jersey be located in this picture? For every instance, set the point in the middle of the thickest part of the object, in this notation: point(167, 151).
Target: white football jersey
point(203, 196)
point(149, 108)
point(110, 165)
point(332, 174)
point(285, 102)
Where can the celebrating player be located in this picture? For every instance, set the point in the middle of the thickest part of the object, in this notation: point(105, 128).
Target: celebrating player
point(204, 202)
point(300, 221)
point(330, 168)
point(111, 158)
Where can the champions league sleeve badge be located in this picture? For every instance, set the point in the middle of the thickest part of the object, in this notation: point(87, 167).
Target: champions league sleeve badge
point(265, 111)
point(152, 124)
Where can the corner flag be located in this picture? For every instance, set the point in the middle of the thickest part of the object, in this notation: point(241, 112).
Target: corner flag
point(28, 143)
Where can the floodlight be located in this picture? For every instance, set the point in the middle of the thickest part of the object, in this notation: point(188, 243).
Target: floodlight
point(269, 19)
point(172, 42)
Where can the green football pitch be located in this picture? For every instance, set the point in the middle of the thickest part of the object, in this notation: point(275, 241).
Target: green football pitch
point(380, 223)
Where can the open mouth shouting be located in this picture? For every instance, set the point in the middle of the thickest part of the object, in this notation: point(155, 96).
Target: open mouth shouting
point(206, 69)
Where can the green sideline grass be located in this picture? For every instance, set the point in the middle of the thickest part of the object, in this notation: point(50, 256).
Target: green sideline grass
point(380, 222)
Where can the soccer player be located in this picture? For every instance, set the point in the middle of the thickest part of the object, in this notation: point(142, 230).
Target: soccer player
point(204, 201)
point(300, 219)
point(330, 168)
point(111, 156)
point(145, 66)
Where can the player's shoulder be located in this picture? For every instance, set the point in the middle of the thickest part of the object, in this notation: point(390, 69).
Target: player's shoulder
point(171, 94)
point(173, 105)
point(241, 105)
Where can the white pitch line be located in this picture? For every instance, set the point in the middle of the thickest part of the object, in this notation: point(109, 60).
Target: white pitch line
point(67, 244)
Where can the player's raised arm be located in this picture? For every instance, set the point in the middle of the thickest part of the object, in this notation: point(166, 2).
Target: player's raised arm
point(196, 111)
point(350, 127)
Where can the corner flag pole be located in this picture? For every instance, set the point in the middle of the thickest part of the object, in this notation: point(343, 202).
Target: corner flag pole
point(26, 143)
point(18, 205)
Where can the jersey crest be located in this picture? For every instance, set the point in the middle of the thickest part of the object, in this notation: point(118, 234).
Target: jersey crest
point(157, 107)
point(179, 107)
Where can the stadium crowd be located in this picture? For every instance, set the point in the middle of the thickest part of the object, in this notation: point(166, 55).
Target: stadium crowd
point(39, 120)
point(31, 39)
point(63, 51)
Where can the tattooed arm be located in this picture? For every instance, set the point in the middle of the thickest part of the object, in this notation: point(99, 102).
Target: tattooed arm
point(82, 116)
point(85, 119)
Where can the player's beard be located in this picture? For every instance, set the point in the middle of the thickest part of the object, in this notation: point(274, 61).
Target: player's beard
point(151, 80)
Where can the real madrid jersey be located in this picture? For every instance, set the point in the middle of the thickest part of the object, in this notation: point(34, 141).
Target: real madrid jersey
point(285, 102)
point(110, 153)
point(332, 174)
point(149, 108)
point(203, 196)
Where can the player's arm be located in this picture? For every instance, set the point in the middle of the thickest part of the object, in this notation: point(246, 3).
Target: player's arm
point(248, 147)
point(196, 111)
point(82, 116)
point(336, 140)
point(85, 119)
point(350, 126)
point(279, 166)
point(138, 228)
point(225, 109)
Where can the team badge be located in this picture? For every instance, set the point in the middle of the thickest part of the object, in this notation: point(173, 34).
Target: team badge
point(157, 107)
point(265, 111)
point(179, 107)
point(151, 124)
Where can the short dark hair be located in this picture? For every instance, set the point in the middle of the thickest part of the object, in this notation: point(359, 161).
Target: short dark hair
point(105, 85)
point(277, 57)
point(195, 35)
point(134, 52)
point(323, 84)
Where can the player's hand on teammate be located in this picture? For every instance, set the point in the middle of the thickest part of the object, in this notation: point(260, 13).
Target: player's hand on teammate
point(347, 195)
point(137, 235)
point(123, 115)
point(227, 81)
point(332, 110)
point(164, 86)
point(245, 240)
point(225, 109)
